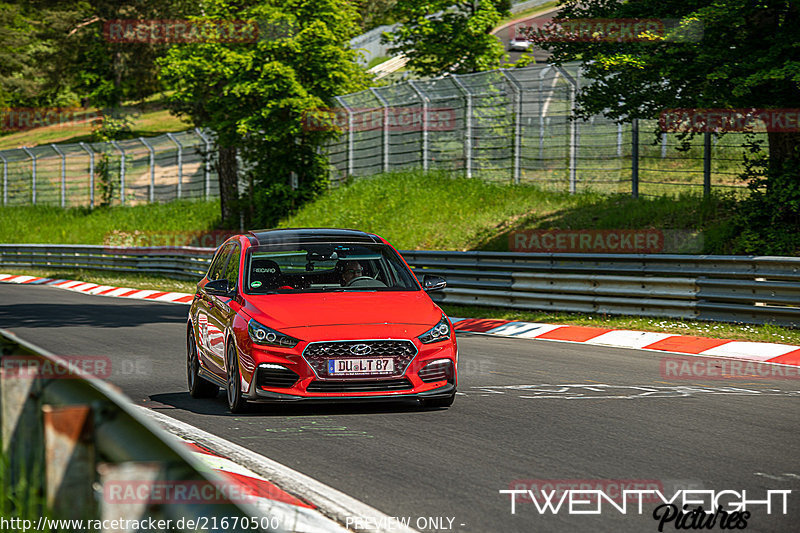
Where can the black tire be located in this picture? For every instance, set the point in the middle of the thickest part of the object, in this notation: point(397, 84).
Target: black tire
point(198, 387)
point(438, 403)
point(236, 402)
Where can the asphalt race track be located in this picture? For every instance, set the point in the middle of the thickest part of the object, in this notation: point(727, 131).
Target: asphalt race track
point(586, 413)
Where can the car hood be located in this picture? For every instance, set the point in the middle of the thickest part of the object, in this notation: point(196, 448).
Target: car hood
point(287, 311)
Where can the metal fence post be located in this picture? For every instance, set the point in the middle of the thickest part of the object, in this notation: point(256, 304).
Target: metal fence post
point(385, 105)
point(619, 139)
point(91, 173)
point(350, 138)
point(573, 131)
point(517, 89)
point(152, 168)
point(663, 145)
point(57, 150)
point(706, 163)
point(635, 158)
point(424, 100)
point(180, 161)
point(121, 172)
point(33, 173)
point(207, 165)
point(468, 112)
point(5, 179)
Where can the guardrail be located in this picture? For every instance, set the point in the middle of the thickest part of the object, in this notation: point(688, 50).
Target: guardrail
point(729, 288)
point(70, 437)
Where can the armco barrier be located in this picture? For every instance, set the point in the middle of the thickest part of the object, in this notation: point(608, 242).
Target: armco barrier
point(729, 288)
point(66, 435)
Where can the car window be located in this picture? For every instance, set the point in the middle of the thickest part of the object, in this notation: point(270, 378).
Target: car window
point(232, 270)
point(218, 263)
point(323, 266)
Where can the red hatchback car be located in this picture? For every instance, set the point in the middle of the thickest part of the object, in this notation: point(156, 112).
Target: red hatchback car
point(318, 314)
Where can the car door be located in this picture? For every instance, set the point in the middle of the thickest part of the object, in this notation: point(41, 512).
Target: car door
point(221, 311)
point(210, 333)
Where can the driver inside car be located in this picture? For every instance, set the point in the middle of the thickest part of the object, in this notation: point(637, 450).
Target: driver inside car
point(350, 271)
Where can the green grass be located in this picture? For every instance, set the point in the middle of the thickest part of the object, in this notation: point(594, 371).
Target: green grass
point(528, 12)
point(47, 224)
point(147, 121)
point(436, 211)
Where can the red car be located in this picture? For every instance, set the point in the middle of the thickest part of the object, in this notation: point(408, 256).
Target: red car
point(318, 314)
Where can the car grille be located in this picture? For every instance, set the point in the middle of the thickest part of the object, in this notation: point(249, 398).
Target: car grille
point(386, 385)
point(317, 354)
point(276, 378)
point(437, 372)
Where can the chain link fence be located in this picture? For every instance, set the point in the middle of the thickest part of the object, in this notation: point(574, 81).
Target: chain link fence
point(154, 169)
point(511, 125)
point(514, 125)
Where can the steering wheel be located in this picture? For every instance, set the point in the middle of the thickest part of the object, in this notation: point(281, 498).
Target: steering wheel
point(359, 278)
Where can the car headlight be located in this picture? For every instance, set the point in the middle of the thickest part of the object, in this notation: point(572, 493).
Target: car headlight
point(439, 332)
point(261, 334)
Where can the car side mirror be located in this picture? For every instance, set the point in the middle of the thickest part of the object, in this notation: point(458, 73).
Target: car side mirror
point(433, 283)
point(219, 287)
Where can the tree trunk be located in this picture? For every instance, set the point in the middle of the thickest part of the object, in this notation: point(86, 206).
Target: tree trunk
point(228, 173)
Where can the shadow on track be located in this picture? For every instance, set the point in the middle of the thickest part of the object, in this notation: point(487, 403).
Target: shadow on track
point(111, 315)
point(218, 407)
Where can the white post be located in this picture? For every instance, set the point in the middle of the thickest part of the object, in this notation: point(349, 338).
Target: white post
point(350, 139)
point(152, 168)
point(663, 146)
point(424, 100)
point(5, 179)
point(33, 174)
point(91, 173)
point(467, 124)
point(573, 131)
point(63, 173)
point(121, 172)
point(385, 105)
point(619, 139)
point(207, 167)
point(517, 89)
point(180, 161)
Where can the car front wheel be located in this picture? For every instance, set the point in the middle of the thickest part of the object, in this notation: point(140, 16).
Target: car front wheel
point(236, 403)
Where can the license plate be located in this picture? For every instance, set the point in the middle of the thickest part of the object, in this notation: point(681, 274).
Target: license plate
point(370, 366)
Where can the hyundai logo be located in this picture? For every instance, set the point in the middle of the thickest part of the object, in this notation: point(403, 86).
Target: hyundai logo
point(361, 349)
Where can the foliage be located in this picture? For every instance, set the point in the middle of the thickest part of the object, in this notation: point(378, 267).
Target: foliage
point(440, 36)
point(258, 97)
point(738, 54)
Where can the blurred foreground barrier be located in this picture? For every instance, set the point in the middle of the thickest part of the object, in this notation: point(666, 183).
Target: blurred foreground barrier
point(729, 288)
point(78, 449)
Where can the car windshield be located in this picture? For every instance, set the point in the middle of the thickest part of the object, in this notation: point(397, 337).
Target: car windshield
point(322, 267)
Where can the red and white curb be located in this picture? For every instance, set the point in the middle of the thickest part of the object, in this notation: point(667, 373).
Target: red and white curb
point(763, 352)
point(302, 505)
point(100, 290)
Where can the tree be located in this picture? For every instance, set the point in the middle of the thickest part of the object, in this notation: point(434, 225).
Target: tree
point(257, 96)
point(440, 36)
point(746, 58)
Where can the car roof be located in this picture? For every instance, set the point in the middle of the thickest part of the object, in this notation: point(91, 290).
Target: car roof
point(305, 235)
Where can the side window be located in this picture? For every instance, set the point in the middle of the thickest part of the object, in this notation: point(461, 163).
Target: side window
point(215, 271)
point(232, 271)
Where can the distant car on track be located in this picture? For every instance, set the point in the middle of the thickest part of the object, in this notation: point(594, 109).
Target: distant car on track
point(519, 44)
point(318, 314)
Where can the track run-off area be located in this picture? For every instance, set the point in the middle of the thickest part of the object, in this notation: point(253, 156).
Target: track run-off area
point(530, 414)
